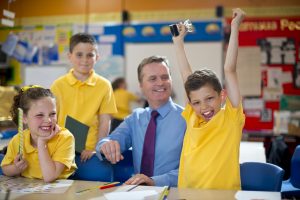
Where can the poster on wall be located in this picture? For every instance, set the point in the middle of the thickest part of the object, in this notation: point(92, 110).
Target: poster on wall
point(279, 43)
point(297, 75)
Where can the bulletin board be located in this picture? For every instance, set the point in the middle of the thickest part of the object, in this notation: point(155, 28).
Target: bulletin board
point(279, 42)
point(43, 75)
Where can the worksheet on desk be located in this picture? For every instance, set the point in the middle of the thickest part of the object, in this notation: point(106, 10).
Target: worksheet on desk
point(139, 193)
point(26, 185)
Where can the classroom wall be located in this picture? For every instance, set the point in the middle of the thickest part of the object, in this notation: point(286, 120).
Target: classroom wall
point(57, 12)
point(86, 11)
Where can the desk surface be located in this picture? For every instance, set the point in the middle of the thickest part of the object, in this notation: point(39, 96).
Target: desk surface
point(175, 194)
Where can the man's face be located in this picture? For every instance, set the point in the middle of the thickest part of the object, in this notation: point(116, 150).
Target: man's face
point(156, 84)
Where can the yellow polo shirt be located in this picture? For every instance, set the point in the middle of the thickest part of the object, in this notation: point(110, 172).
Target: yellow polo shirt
point(123, 99)
point(210, 153)
point(84, 101)
point(61, 149)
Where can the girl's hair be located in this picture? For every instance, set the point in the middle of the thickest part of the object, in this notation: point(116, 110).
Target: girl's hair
point(25, 97)
point(116, 83)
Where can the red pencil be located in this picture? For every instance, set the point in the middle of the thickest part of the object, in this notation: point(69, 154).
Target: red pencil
point(109, 185)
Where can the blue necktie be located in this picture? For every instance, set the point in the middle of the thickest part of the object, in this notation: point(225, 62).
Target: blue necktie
point(147, 164)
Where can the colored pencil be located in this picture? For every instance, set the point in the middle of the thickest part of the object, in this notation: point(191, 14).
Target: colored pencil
point(165, 193)
point(20, 130)
point(109, 185)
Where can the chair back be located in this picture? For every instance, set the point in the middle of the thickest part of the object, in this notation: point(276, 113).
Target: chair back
point(123, 170)
point(93, 170)
point(1, 158)
point(295, 168)
point(258, 176)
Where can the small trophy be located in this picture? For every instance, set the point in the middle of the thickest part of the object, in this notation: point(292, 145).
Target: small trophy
point(188, 25)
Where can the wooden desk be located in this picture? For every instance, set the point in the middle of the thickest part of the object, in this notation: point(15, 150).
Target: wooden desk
point(175, 194)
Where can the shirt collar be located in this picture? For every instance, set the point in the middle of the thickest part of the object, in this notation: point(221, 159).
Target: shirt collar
point(165, 109)
point(72, 80)
point(29, 148)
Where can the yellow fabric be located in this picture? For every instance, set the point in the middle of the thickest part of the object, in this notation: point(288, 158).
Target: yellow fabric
point(210, 153)
point(61, 149)
point(123, 99)
point(84, 101)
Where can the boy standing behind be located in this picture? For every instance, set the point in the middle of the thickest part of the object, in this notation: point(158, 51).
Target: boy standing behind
point(210, 153)
point(84, 95)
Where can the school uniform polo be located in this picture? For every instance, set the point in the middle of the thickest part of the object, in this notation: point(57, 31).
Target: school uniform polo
point(61, 149)
point(84, 101)
point(210, 153)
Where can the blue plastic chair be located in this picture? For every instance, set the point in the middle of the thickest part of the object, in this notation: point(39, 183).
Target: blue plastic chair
point(123, 170)
point(93, 170)
point(295, 168)
point(291, 187)
point(258, 176)
point(1, 158)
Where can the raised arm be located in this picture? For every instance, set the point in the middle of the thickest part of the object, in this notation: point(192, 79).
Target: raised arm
point(231, 79)
point(183, 63)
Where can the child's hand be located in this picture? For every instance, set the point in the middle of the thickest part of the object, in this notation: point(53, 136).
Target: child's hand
point(237, 16)
point(53, 133)
point(182, 33)
point(86, 154)
point(41, 141)
point(20, 163)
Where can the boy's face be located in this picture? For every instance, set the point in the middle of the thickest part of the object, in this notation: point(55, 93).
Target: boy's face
point(83, 58)
point(41, 117)
point(206, 102)
point(156, 84)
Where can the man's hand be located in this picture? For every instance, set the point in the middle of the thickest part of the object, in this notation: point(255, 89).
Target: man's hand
point(140, 179)
point(111, 151)
point(86, 154)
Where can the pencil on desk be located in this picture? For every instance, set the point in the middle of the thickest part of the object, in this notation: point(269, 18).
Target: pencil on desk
point(165, 193)
point(109, 185)
point(87, 189)
point(132, 188)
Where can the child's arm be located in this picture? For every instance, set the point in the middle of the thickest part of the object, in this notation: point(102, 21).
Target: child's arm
point(231, 79)
point(50, 169)
point(15, 169)
point(104, 125)
point(183, 63)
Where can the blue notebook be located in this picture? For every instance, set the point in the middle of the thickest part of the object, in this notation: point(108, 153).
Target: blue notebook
point(80, 132)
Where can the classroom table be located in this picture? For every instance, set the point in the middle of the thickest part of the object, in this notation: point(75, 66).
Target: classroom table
point(175, 193)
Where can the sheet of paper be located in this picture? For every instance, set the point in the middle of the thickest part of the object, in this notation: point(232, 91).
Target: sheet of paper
point(26, 185)
point(248, 69)
point(250, 195)
point(132, 195)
